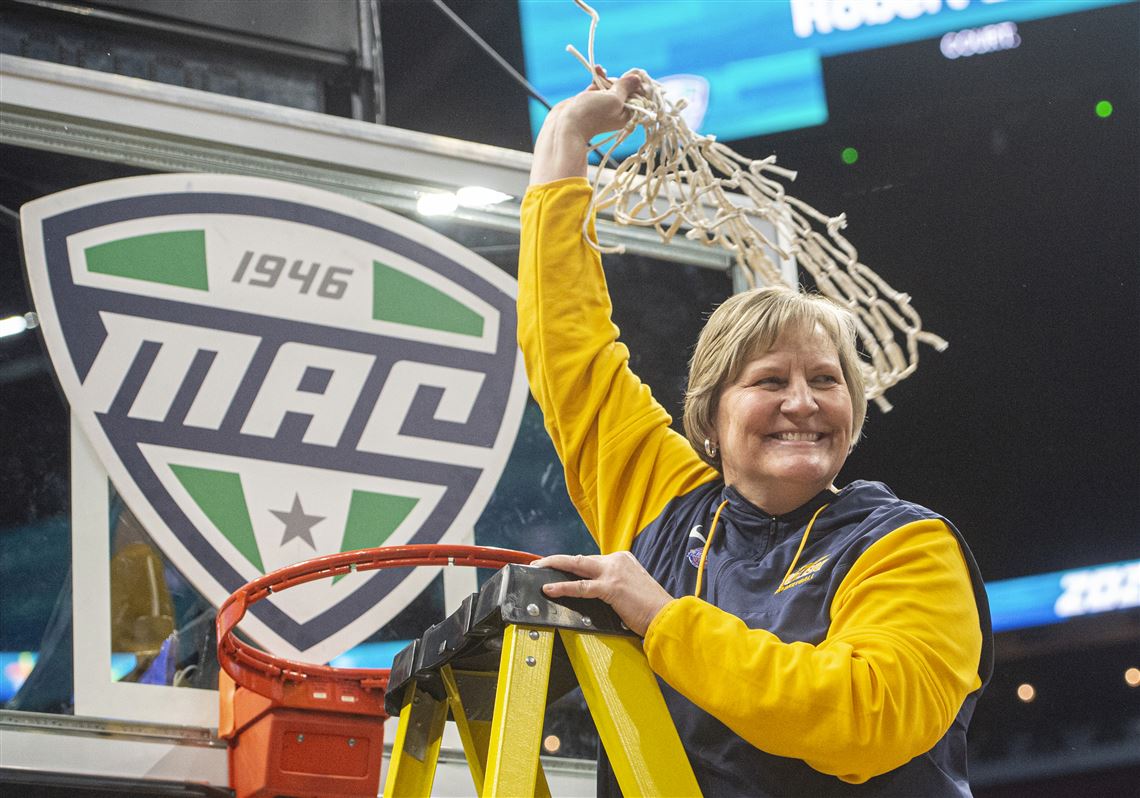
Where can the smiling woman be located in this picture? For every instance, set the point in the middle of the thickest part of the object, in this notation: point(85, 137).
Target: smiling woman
point(784, 424)
point(775, 385)
point(809, 637)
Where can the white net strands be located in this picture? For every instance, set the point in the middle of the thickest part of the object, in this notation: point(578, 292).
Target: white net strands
point(680, 179)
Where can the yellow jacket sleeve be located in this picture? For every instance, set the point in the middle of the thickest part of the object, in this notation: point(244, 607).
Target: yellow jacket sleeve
point(606, 426)
point(884, 686)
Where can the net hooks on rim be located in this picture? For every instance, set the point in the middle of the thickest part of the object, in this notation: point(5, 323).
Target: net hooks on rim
point(681, 178)
point(274, 676)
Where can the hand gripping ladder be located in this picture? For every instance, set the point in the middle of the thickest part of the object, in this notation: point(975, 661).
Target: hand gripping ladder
point(492, 666)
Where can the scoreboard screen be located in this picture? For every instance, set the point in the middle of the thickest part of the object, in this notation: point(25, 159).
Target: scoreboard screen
point(754, 67)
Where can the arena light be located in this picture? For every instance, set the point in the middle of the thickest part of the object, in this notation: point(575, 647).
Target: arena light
point(1104, 109)
point(1026, 692)
point(14, 325)
point(551, 744)
point(849, 155)
point(444, 203)
point(480, 196)
point(1132, 677)
point(439, 204)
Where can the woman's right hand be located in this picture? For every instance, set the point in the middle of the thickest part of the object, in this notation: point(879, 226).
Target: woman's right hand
point(598, 110)
point(564, 140)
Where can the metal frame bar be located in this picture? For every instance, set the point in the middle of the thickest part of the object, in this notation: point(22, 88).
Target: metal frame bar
point(140, 123)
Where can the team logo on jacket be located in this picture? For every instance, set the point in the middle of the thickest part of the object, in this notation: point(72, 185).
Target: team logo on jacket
point(693, 555)
point(804, 574)
point(270, 373)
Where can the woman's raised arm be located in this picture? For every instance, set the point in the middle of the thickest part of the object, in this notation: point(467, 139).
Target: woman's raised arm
point(621, 459)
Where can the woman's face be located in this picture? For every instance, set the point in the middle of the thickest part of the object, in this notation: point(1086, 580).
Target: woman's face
point(784, 424)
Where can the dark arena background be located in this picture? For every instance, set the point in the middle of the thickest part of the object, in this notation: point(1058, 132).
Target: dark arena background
point(990, 170)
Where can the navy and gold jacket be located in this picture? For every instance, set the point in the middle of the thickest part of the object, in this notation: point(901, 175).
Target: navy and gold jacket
point(838, 649)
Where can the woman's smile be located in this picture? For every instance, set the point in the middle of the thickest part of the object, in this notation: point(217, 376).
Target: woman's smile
point(797, 437)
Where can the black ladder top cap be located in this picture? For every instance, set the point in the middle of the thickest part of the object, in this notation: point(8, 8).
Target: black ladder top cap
point(512, 596)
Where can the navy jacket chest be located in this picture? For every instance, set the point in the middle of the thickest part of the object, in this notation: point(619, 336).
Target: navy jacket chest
point(743, 570)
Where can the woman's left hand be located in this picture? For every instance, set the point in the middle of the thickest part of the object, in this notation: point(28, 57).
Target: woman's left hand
point(617, 579)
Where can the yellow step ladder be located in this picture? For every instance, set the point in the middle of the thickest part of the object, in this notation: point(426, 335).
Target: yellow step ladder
point(491, 667)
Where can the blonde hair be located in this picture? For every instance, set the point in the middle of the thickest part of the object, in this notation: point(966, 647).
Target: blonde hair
point(749, 324)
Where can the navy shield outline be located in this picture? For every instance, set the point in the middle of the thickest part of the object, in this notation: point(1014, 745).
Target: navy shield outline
point(270, 372)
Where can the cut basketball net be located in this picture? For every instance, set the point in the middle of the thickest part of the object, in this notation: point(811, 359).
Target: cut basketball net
point(680, 178)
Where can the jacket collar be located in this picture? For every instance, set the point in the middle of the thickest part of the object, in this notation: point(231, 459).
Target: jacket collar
point(742, 512)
